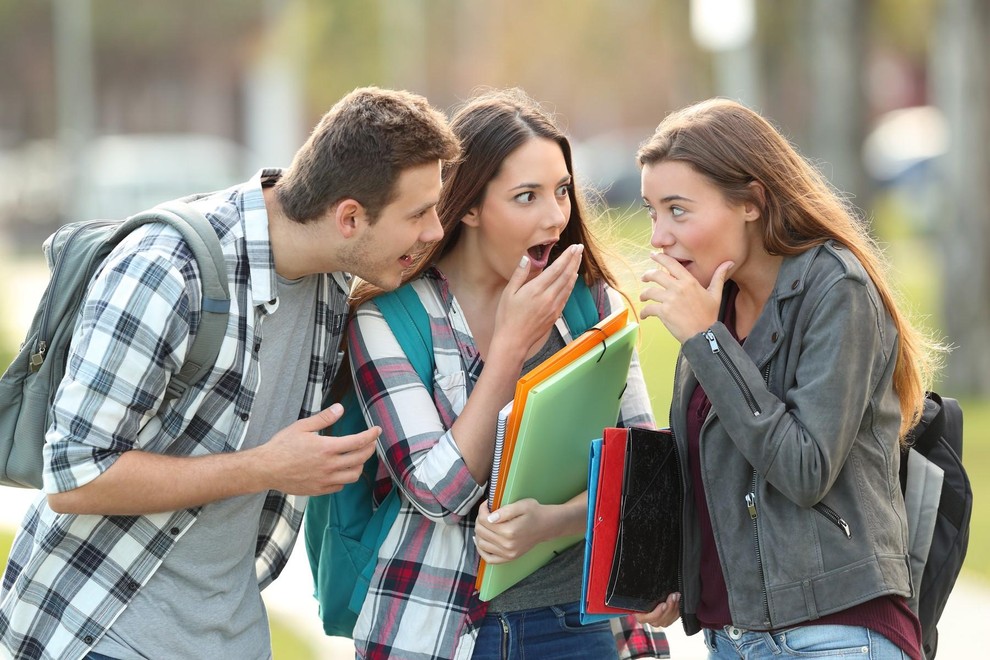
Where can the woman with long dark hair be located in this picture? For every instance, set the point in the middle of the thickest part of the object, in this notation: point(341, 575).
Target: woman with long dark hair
point(515, 240)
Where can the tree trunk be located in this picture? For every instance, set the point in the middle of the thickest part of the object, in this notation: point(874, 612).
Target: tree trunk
point(961, 88)
point(836, 54)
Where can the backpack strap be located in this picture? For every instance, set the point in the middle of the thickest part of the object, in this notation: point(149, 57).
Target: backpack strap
point(410, 323)
point(580, 312)
point(202, 239)
point(930, 427)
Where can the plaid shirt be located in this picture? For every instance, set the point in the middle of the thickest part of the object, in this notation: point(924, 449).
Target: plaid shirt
point(70, 576)
point(422, 602)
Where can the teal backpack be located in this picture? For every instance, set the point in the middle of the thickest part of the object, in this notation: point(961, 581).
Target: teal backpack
point(343, 531)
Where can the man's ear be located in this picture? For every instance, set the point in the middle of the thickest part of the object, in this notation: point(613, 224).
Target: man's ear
point(348, 215)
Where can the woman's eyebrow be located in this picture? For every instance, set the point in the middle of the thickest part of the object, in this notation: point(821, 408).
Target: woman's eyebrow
point(563, 179)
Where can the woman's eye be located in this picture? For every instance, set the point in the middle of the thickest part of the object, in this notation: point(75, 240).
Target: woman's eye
point(563, 190)
point(525, 197)
point(676, 211)
point(652, 211)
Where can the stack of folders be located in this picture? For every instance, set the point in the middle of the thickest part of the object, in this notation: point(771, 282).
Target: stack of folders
point(633, 538)
point(543, 435)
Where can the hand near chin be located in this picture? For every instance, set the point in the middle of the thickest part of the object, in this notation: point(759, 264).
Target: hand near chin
point(680, 302)
point(527, 309)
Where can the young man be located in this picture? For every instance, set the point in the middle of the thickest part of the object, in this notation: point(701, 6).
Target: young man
point(158, 529)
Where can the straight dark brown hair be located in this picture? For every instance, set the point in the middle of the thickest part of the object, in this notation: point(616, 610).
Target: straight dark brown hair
point(490, 127)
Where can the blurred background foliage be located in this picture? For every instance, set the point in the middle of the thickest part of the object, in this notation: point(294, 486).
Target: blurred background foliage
point(109, 106)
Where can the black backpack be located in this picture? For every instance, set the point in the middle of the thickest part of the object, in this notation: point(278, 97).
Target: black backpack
point(939, 502)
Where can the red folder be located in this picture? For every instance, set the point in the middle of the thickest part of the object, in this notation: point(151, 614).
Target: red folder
point(606, 526)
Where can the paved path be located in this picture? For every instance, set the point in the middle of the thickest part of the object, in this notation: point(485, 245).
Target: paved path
point(290, 598)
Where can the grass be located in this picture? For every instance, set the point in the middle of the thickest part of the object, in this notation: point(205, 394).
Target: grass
point(6, 539)
point(286, 644)
point(976, 458)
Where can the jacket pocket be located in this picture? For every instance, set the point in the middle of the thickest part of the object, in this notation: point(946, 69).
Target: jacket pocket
point(830, 515)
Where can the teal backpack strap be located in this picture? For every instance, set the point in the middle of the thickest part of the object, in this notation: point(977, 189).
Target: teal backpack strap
point(406, 316)
point(580, 312)
point(344, 530)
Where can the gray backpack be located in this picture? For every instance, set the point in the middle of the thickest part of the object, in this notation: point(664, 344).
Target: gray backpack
point(74, 252)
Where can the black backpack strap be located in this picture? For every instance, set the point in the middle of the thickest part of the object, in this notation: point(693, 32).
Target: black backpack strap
point(202, 239)
point(940, 430)
point(931, 427)
point(953, 425)
point(953, 503)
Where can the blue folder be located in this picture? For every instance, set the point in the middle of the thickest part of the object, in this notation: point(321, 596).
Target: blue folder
point(593, 465)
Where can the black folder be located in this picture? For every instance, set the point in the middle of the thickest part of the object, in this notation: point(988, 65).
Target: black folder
point(646, 562)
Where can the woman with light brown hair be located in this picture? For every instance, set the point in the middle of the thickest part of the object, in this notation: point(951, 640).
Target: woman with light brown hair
point(797, 379)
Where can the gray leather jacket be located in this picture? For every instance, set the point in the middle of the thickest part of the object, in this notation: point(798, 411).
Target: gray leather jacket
point(800, 452)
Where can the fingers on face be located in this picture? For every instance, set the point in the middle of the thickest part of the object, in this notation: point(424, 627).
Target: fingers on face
point(650, 310)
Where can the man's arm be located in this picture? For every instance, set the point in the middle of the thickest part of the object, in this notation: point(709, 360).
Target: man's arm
point(296, 461)
point(132, 334)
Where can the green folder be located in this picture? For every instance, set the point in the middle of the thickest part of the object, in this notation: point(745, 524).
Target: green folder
point(563, 414)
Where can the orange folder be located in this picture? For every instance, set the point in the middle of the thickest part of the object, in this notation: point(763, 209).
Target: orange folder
point(590, 338)
point(585, 342)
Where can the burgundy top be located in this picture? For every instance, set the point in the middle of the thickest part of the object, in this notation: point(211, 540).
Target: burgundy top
point(888, 615)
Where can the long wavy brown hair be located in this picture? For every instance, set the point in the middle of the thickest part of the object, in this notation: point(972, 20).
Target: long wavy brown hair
point(490, 127)
point(734, 146)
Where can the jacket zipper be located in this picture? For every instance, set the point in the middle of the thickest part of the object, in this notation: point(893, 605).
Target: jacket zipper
point(751, 507)
point(733, 373)
point(834, 518)
point(680, 508)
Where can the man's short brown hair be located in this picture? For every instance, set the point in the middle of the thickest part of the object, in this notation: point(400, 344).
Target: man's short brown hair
point(358, 150)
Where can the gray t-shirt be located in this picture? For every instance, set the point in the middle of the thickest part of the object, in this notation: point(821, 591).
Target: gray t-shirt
point(560, 580)
point(203, 601)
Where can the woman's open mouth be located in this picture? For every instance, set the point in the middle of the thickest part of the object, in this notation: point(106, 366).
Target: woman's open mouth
point(539, 255)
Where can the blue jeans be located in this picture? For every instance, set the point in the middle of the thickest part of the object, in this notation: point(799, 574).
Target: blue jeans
point(819, 642)
point(543, 634)
point(96, 656)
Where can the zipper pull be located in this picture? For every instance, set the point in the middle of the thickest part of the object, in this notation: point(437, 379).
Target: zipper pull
point(712, 342)
point(38, 358)
point(845, 527)
point(751, 505)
